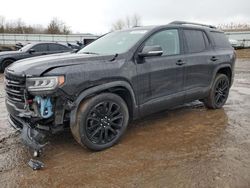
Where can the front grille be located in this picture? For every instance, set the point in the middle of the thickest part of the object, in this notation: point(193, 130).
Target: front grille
point(14, 87)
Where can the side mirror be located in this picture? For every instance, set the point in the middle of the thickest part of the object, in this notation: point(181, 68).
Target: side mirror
point(149, 51)
point(31, 51)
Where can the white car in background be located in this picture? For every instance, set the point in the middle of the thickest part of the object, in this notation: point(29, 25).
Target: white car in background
point(235, 43)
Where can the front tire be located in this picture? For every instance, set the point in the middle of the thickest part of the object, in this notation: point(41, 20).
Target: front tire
point(101, 121)
point(5, 64)
point(219, 92)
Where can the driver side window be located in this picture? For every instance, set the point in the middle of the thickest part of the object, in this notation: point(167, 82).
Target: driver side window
point(168, 40)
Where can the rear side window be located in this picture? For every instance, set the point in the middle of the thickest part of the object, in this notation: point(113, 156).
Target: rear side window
point(57, 47)
point(40, 48)
point(196, 40)
point(220, 40)
point(168, 40)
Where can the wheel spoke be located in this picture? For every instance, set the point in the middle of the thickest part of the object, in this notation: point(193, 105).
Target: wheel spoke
point(115, 125)
point(106, 135)
point(99, 114)
point(110, 108)
point(92, 127)
point(95, 132)
point(115, 112)
point(225, 87)
point(93, 119)
point(112, 130)
point(217, 98)
point(101, 136)
point(120, 116)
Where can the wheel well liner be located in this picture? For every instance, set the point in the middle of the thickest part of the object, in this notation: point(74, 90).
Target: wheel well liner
point(227, 71)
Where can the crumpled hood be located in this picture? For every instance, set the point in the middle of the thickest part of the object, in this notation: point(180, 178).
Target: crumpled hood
point(38, 65)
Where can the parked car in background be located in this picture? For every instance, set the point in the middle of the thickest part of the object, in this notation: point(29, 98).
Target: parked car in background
point(31, 50)
point(236, 44)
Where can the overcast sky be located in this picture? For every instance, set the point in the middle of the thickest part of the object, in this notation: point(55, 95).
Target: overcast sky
point(97, 16)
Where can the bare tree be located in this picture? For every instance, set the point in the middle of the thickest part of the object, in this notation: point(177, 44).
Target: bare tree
point(128, 22)
point(54, 26)
point(2, 21)
point(118, 25)
point(136, 20)
point(18, 26)
point(57, 27)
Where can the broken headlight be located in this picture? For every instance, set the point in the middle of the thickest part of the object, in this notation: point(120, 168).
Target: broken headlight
point(44, 83)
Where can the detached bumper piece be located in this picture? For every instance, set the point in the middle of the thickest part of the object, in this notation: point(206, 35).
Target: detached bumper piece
point(31, 137)
point(34, 139)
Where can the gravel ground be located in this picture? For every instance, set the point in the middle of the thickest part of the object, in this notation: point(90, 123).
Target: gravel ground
point(189, 146)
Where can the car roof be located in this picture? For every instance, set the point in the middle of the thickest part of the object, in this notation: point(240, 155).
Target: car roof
point(35, 43)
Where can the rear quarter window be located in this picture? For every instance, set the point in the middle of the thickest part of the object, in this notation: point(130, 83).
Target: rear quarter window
point(220, 40)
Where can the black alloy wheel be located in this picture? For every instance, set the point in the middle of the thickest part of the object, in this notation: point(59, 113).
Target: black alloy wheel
point(221, 91)
point(218, 94)
point(104, 122)
point(101, 121)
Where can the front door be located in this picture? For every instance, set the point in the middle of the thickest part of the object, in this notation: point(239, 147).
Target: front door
point(160, 78)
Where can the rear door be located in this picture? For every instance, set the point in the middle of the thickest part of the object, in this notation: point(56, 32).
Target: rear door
point(160, 79)
point(199, 66)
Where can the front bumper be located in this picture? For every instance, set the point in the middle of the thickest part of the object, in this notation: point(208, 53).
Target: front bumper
point(31, 137)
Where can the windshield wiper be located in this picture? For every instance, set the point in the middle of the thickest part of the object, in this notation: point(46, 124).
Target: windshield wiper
point(90, 53)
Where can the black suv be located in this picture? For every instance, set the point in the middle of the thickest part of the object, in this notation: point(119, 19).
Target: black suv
point(31, 50)
point(122, 76)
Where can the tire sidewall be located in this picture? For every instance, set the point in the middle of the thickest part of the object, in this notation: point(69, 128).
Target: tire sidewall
point(84, 114)
point(5, 64)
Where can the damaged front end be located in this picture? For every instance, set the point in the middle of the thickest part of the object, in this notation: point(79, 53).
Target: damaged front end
point(36, 107)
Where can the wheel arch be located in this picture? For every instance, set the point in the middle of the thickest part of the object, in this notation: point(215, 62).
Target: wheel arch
point(121, 88)
point(223, 69)
point(9, 58)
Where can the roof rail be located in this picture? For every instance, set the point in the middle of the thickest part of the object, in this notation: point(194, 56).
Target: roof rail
point(191, 23)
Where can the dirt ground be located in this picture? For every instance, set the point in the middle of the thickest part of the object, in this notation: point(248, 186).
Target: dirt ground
point(243, 53)
point(189, 146)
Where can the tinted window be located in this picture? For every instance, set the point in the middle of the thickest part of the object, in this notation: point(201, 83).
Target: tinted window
point(195, 40)
point(57, 47)
point(168, 40)
point(220, 40)
point(40, 47)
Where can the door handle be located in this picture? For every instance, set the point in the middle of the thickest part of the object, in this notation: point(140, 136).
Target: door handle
point(214, 58)
point(180, 62)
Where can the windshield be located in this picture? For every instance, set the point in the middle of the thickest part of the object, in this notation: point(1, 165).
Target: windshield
point(114, 43)
point(25, 48)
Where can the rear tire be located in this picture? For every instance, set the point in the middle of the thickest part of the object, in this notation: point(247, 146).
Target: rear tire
point(219, 92)
point(101, 121)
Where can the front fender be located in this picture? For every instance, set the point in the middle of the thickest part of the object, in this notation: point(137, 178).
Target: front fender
point(98, 89)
